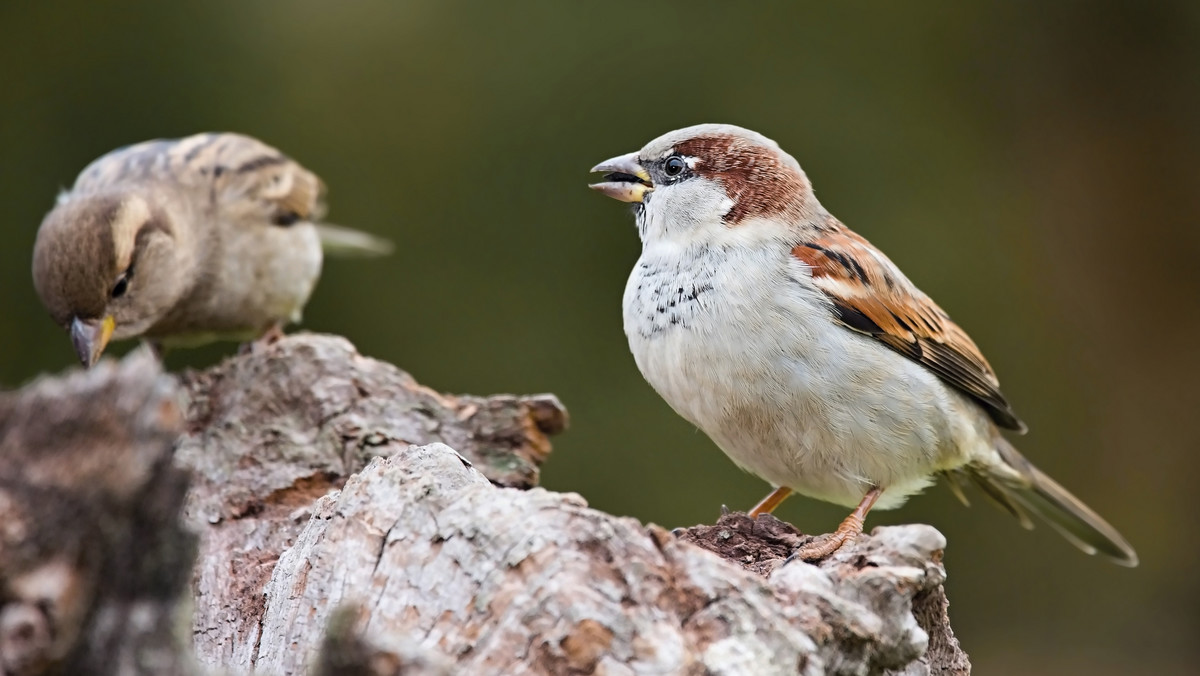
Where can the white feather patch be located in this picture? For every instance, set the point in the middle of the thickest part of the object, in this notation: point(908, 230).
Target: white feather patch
point(134, 212)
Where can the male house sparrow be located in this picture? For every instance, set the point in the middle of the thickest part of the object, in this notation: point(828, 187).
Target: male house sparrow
point(805, 353)
point(183, 242)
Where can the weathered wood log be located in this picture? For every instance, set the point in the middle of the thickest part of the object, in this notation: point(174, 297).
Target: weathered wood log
point(351, 521)
point(93, 556)
point(271, 431)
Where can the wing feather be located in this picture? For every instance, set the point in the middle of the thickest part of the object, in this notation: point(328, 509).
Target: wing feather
point(870, 295)
point(238, 173)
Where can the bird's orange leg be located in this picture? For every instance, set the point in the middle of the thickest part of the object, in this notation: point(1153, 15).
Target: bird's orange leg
point(269, 336)
point(849, 529)
point(272, 334)
point(769, 503)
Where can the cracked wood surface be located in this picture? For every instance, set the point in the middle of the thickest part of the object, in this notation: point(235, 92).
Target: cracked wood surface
point(271, 431)
point(533, 582)
point(352, 521)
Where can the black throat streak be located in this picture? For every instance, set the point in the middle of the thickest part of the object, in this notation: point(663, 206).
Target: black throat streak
point(639, 217)
point(668, 298)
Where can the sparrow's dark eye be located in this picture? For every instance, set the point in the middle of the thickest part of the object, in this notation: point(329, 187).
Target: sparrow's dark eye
point(122, 284)
point(674, 165)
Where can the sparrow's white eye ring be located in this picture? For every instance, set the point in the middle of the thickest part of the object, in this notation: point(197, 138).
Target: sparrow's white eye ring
point(674, 165)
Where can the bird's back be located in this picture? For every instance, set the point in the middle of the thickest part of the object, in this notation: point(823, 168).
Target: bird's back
point(239, 176)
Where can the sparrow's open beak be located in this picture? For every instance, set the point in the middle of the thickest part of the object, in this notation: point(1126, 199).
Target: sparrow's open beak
point(626, 180)
point(90, 337)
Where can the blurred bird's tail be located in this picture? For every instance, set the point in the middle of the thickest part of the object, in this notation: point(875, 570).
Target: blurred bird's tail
point(349, 243)
point(1020, 488)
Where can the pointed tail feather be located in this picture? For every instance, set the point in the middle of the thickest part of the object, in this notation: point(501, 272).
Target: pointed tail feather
point(349, 243)
point(1020, 487)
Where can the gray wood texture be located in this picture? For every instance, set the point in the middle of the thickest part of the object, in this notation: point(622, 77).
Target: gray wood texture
point(344, 519)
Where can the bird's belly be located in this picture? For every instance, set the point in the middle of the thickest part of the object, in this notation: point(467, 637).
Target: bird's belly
point(262, 276)
point(285, 279)
point(794, 398)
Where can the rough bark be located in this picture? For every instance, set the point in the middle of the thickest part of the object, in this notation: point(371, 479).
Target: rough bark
point(272, 430)
point(351, 521)
point(93, 556)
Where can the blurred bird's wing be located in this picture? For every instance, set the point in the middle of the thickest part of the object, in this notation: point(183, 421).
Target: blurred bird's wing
point(244, 179)
point(870, 295)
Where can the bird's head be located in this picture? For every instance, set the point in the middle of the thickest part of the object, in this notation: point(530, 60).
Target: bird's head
point(709, 183)
point(104, 267)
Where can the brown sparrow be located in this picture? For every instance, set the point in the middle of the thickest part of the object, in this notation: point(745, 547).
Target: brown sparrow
point(805, 353)
point(184, 242)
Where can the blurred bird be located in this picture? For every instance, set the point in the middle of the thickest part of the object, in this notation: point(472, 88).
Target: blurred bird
point(186, 241)
point(805, 353)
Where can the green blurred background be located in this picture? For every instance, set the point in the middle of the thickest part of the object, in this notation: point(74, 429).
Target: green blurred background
point(1033, 166)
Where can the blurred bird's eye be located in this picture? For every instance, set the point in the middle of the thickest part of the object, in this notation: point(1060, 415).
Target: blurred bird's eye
point(674, 165)
point(122, 284)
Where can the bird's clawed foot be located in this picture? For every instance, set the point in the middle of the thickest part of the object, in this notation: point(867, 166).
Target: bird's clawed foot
point(823, 546)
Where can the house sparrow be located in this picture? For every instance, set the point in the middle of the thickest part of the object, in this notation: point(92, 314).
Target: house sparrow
point(805, 353)
point(185, 241)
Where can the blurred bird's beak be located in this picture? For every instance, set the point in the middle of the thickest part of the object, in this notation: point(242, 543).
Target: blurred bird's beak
point(626, 180)
point(90, 337)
